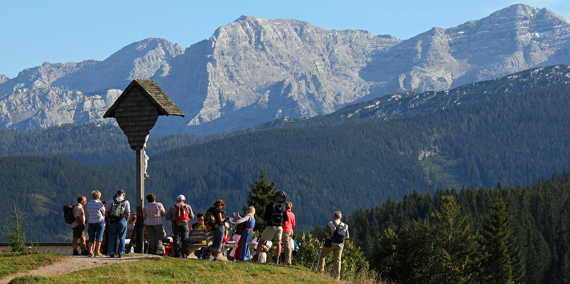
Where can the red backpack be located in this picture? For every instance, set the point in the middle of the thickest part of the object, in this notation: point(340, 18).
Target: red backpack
point(181, 216)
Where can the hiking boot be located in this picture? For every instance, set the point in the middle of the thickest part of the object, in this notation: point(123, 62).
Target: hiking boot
point(111, 255)
point(75, 252)
point(84, 252)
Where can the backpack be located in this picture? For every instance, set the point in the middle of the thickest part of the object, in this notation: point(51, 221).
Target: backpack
point(339, 233)
point(209, 219)
point(181, 216)
point(278, 208)
point(68, 213)
point(117, 211)
point(297, 248)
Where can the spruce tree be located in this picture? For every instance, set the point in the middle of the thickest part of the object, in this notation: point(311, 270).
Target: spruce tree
point(502, 261)
point(260, 195)
point(455, 256)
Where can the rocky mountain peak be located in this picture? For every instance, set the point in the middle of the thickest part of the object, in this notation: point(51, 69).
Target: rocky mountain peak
point(254, 70)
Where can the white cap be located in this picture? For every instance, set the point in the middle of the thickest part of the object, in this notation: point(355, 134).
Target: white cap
point(180, 197)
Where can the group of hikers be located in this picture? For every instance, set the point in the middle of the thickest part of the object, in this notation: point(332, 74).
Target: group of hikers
point(93, 215)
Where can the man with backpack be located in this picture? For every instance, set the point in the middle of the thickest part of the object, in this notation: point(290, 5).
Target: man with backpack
point(118, 212)
point(275, 215)
point(180, 215)
point(335, 233)
point(78, 226)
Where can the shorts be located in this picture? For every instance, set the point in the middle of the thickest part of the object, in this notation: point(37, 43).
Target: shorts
point(272, 233)
point(78, 231)
point(96, 231)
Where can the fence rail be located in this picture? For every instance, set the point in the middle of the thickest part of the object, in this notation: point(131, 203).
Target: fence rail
point(55, 248)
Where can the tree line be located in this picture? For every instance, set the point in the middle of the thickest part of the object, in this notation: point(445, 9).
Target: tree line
point(454, 234)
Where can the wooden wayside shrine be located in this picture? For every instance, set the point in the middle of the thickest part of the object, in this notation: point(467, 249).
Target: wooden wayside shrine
point(136, 111)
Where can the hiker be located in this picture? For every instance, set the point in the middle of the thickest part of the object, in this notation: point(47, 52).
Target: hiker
point(132, 223)
point(78, 226)
point(242, 252)
point(287, 238)
point(335, 233)
point(180, 215)
point(200, 225)
point(96, 212)
point(218, 227)
point(118, 211)
point(105, 244)
point(152, 214)
point(166, 243)
point(264, 249)
point(275, 215)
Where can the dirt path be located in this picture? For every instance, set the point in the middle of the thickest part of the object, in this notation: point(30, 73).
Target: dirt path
point(74, 263)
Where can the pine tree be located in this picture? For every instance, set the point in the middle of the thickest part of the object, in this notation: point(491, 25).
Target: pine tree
point(260, 195)
point(13, 233)
point(455, 259)
point(502, 261)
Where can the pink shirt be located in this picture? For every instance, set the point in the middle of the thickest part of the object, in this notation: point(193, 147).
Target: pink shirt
point(288, 226)
point(78, 212)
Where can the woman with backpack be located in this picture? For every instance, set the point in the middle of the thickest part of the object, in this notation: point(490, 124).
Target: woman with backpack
point(118, 211)
point(217, 228)
point(246, 232)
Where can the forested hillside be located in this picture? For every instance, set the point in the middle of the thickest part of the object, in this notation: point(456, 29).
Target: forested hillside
point(539, 216)
point(38, 188)
point(88, 144)
point(512, 139)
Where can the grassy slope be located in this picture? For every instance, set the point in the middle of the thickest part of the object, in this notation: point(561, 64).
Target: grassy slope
point(13, 263)
point(170, 270)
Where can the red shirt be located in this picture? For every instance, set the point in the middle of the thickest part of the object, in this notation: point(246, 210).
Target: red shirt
point(289, 224)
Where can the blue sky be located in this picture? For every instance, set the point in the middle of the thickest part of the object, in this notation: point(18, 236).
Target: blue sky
point(38, 31)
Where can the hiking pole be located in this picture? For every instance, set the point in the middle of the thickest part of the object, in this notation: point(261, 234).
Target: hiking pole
point(316, 254)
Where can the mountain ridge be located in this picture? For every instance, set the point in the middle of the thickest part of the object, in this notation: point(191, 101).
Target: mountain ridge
point(254, 70)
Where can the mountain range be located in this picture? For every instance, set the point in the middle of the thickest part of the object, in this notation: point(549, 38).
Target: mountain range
point(255, 70)
point(471, 135)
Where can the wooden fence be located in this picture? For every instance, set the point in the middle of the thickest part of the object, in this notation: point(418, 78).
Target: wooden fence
point(54, 248)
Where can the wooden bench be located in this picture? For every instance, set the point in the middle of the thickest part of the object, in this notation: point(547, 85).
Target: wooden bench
point(197, 239)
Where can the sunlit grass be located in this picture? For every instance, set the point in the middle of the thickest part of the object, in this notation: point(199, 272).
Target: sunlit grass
point(14, 262)
point(171, 270)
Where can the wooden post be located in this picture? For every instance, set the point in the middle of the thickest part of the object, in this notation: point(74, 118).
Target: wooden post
point(140, 201)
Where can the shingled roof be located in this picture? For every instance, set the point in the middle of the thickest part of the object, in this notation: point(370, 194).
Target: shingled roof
point(155, 95)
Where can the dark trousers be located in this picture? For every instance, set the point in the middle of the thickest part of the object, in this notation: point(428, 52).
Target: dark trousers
point(180, 236)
